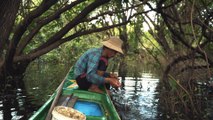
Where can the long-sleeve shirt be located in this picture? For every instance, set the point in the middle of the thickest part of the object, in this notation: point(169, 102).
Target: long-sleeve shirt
point(88, 63)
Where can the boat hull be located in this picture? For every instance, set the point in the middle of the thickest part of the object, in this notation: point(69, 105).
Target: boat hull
point(71, 88)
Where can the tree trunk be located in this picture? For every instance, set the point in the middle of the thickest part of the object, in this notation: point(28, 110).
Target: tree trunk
point(13, 75)
point(123, 65)
point(8, 11)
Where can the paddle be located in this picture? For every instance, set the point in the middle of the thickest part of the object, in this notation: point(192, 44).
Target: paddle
point(49, 115)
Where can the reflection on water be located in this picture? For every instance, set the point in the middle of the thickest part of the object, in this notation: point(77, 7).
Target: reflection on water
point(15, 105)
point(19, 103)
point(136, 99)
point(41, 80)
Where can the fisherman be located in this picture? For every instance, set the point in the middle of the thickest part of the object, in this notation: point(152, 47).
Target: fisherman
point(90, 69)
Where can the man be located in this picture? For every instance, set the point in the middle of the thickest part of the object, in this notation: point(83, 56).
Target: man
point(90, 69)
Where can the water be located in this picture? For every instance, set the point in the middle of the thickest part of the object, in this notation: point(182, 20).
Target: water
point(16, 105)
point(19, 102)
point(136, 99)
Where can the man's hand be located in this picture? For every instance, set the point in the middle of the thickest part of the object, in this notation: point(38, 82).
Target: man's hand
point(114, 82)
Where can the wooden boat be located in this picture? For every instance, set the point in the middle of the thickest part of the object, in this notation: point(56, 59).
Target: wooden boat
point(95, 106)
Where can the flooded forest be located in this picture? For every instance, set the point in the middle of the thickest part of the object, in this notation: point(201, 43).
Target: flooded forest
point(166, 69)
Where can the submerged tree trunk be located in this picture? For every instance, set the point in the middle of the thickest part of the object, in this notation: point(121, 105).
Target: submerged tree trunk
point(13, 75)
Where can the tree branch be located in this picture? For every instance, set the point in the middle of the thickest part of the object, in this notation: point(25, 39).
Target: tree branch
point(77, 20)
point(42, 22)
point(50, 47)
point(22, 27)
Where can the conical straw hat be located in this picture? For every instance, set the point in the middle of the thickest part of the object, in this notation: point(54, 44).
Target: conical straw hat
point(114, 43)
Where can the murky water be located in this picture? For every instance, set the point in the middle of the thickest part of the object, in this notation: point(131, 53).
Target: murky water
point(16, 105)
point(19, 103)
point(135, 100)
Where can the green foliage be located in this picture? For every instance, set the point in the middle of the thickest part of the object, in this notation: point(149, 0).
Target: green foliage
point(42, 79)
point(172, 83)
point(72, 50)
